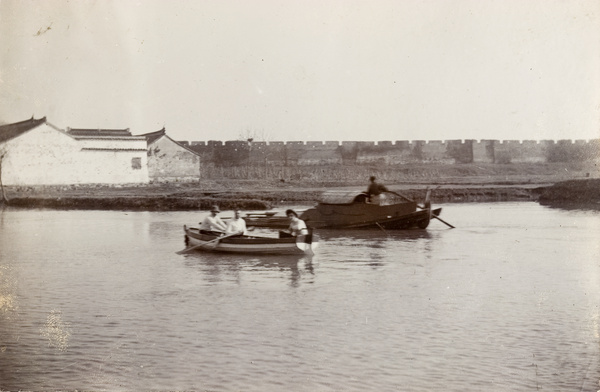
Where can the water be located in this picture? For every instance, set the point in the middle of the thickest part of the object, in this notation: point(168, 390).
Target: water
point(507, 301)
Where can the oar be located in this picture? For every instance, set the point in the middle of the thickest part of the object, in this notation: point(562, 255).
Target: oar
point(404, 197)
point(443, 221)
point(381, 227)
point(423, 207)
point(204, 244)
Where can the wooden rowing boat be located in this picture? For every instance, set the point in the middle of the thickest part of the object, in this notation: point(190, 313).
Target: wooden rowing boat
point(201, 240)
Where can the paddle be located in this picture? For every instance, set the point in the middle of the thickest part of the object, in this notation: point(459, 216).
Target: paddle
point(443, 221)
point(423, 207)
point(404, 197)
point(381, 227)
point(204, 244)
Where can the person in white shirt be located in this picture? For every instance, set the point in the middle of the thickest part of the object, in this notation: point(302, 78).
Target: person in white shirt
point(213, 222)
point(297, 225)
point(237, 225)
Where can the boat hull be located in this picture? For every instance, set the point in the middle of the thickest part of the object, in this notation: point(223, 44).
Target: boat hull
point(352, 210)
point(342, 217)
point(250, 244)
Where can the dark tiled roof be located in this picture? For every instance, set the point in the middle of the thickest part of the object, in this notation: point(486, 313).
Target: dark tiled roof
point(10, 131)
point(98, 132)
point(153, 136)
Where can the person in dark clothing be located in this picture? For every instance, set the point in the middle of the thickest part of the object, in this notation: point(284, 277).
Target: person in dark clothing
point(375, 190)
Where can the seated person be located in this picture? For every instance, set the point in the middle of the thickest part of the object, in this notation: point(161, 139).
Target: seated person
point(237, 225)
point(374, 191)
point(213, 222)
point(297, 226)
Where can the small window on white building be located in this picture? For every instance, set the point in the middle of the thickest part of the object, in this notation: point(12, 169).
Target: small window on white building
point(136, 163)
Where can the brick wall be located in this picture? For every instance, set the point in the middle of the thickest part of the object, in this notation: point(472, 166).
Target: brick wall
point(401, 151)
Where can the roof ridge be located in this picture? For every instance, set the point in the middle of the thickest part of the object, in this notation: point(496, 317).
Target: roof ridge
point(10, 131)
point(162, 131)
point(29, 120)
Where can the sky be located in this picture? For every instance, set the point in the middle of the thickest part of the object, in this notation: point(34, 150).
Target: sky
point(326, 70)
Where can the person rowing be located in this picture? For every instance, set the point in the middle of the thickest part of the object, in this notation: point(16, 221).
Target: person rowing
point(375, 192)
point(213, 223)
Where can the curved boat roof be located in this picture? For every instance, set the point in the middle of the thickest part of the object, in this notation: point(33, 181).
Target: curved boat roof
point(339, 197)
point(350, 197)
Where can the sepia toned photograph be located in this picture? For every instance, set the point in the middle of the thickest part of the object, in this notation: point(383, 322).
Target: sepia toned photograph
point(282, 195)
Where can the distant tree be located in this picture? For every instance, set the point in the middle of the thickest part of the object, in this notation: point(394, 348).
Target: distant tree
point(253, 135)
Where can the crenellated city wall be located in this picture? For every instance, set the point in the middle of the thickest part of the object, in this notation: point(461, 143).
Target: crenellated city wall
point(238, 153)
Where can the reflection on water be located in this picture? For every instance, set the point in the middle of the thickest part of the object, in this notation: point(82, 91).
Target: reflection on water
point(56, 331)
point(217, 266)
point(368, 236)
point(99, 300)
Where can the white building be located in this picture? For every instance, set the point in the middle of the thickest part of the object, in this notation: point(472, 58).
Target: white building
point(35, 152)
point(170, 161)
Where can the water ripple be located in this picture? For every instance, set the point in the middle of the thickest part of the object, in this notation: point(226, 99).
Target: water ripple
point(505, 302)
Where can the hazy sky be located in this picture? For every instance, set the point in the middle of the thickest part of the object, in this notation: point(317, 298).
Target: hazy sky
point(306, 70)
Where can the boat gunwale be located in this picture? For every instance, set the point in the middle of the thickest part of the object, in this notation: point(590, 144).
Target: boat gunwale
point(240, 239)
point(249, 244)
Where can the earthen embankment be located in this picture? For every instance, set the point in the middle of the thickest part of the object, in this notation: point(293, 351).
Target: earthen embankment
point(449, 184)
point(189, 197)
point(572, 194)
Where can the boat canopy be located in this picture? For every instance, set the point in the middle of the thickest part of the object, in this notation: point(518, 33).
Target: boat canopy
point(341, 197)
point(352, 197)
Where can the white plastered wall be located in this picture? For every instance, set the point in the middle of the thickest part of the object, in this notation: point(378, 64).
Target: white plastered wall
point(45, 155)
point(168, 161)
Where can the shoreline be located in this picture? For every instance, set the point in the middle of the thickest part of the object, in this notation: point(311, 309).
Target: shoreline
point(257, 195)
point(190, 197)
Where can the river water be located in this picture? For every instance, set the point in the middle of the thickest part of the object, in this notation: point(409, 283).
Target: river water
point(99, 300)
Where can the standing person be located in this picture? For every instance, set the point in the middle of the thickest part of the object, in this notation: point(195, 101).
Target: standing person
point(375, 190)
point(297, 225)
point(237, 225)
point(213, 222)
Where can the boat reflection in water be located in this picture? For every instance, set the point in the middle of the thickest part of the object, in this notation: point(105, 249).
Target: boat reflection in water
point(219, 267)
point(370, 248)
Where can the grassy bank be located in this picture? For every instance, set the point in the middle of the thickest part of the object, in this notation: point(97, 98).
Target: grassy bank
point(450, 183)
point(573, 193)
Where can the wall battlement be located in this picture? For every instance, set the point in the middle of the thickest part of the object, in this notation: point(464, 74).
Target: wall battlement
point(239, 152)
